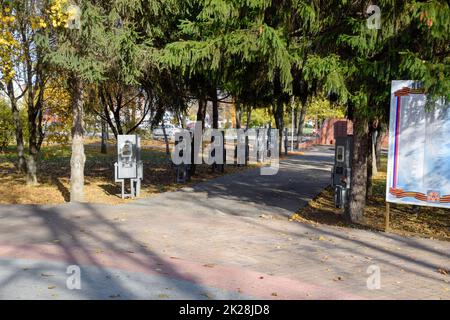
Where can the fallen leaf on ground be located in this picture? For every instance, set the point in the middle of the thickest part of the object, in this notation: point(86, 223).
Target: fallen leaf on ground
point(47, 275)
point(443, 271)
point(209, 265)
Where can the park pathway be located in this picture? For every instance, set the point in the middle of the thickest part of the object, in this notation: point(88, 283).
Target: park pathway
point(228, 238)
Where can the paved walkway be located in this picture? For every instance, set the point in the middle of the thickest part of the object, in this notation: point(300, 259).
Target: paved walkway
point(228, 238)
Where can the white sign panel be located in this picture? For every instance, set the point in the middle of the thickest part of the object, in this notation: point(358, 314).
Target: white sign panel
point(127, 154)
point(419, 148)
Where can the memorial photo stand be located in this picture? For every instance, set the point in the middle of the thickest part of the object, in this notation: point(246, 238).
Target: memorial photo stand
point(341, 172)
point(217, 167)
point(128, 165)
point(183, 170)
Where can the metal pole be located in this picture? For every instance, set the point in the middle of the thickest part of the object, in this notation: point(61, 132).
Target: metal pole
point(387, 217)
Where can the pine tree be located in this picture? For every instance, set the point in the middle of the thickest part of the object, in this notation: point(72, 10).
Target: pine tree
point(74, 45)
point(413, 43)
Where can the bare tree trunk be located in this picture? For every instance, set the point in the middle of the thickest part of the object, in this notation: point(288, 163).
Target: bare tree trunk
point(33, 143)
point(370, 168)
point(378, 146)
point(18, 128)
point(32, 169)
point(183, 119)
point(357, 201)
point(104, 147)
point(238, 114)
point(373, 145)
point(78, 159)
point(278, 114)
point(215, 104)
point(32, 110)
point(249, 116)
point(301, 123)
point(201, 112)
point(118, 122)
point(166, 140)
point(296, 117)
point(133, 114)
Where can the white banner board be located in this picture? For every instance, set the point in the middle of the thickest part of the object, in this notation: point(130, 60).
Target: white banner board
point(419, 148)
point(127, 156)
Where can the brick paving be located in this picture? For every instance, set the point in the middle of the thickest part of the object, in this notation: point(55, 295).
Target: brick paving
point(229, 238)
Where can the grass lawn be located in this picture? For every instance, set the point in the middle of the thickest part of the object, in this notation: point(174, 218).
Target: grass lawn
point(54, 174)
point(424, 221)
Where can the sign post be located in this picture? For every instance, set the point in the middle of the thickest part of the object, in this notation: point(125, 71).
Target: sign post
point(387, 217)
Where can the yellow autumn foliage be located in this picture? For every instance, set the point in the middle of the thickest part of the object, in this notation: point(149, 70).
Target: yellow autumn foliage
point(8, 45)
point(57, 119)
point(57, 13)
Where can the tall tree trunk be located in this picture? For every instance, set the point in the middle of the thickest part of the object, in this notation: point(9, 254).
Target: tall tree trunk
point(249, 116)
point(183, 119)
point(378, 146)
point(118, 121)
point(215, 105)
point(104, 147)
point(370, 162)
point(166, 139)
point(278, 114)
point(201, 115)
point(21, 166)
point(32, 111)
point(357, 201)
point(301, 122)
point(133, 114)
point(33, 147)
point(32, 169)
point(201, 112)
point(238, 114)
point(78, 159)
point(373, 147)
point(296, 118)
